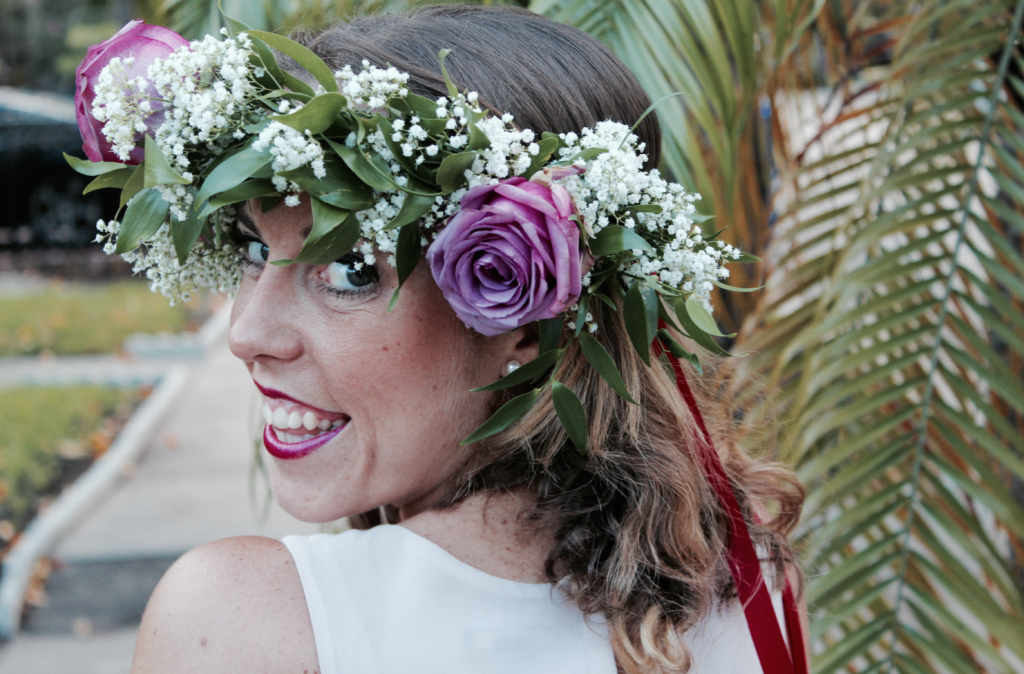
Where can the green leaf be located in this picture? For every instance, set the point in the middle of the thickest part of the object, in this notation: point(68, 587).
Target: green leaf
point(339, 186)
point(372, 170)
point(407, 251)
point(93, 168)
point(615, 239)
point(334, 244)
point(325, 218)
point(413, 208)
point(695, 332)
point(134, 185)
point(117, 179)
point(550, 330)
point(547, 148)
point(581, 314)
point(315, 116)
point(233, 171)
point(185, 234)
point(587, 154)
point(526, 373)
point(451, 173)
point(250, 189)
point(702, 318)
point(572, 415)
point(478, 140)
point(158, 169)
point(605, 366)
point(146, 212)
point(510, 412)
point(303, 56)
point(640, 303)
point(452, 89)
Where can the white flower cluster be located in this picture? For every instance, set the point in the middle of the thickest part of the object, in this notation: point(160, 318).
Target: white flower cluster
point(372, 88)
point(290, 150)
point(123, 116)
point(614, 181)
point(208, 266)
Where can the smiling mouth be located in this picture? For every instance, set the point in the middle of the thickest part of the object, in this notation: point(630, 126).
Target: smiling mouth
point(294, 429)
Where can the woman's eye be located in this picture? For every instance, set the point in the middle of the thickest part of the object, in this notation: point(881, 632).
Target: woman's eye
point(257, 251)
point(344, 275)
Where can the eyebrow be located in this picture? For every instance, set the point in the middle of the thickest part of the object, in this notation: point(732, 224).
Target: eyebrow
point(247, 220)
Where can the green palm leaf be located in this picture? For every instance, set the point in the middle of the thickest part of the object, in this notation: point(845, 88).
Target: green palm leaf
point(893, 324)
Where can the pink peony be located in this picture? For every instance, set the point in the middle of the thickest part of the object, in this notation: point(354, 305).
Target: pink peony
point(147, 44)
point(510, 256)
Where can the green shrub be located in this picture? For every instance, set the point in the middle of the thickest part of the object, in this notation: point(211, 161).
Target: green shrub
point(48, 429)
point(73, 319)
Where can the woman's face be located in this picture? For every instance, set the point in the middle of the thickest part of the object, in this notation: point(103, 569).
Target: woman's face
point(392, 389)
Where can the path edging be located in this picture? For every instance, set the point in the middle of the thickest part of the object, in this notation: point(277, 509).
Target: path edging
point(44, 533)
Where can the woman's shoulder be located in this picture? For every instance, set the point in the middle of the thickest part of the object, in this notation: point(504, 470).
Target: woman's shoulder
point(236, 605)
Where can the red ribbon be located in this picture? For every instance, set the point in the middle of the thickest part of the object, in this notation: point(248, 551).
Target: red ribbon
point(771, 647)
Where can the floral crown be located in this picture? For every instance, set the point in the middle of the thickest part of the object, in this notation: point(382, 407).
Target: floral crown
point(517, 227)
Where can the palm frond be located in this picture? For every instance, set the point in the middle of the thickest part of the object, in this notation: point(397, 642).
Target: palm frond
point(893, 325)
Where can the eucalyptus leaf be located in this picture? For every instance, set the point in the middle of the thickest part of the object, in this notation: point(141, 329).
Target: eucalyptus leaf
point(615, 239)
point(451, 174)
point(92, 168)
point(250, 189)
point(526, 373)
point(336, 243)
point(413, 208)
point(695, 332)
point(550, 336)
point(702, 317)
point(325, 218)
point(184, 234)
point(146, 212)
point(634, 313)
point(158, 169)
point(478, 140)
point(233, 171)
point(303, 56)
point(582, 310)
point(407, 251)
point(376, 174)
point(134, 185)
point(268, 203)
point(452, 89)
point(315, 116)
point(116, 179)
point(546, 148)
point(510, 412)
point(339, 186)
point(571, 413)
point(598, 357)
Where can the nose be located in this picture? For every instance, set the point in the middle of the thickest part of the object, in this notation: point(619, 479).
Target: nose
point(264, 328)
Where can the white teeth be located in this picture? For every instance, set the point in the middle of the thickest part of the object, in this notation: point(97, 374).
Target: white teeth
point(310, 421)
point(291, 439)
point(294, 420)
point(306, 437)
point(268, 416)
point(337, 424)
point(324, 424)
point(280, 418)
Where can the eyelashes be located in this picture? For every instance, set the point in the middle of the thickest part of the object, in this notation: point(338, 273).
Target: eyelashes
point(339, 279)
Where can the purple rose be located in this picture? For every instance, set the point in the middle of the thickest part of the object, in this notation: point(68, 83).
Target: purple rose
point(510, 256)
point(147, 44)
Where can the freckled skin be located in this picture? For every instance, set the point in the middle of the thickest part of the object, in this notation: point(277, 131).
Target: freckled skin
point(402, 442)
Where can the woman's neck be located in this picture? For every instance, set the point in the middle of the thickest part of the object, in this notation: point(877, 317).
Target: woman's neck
point(491, 533)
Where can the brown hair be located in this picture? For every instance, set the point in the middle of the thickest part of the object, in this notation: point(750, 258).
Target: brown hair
point(641, 536)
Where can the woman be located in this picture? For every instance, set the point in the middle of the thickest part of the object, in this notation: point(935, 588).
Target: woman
point(516, 553)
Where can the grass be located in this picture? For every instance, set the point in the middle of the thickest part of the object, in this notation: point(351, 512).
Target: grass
point(73, 319)
point(51, 435)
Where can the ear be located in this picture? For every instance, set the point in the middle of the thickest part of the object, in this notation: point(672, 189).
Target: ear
point(521, 345)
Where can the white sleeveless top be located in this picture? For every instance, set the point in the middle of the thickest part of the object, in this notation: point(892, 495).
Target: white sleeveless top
point(388, 601)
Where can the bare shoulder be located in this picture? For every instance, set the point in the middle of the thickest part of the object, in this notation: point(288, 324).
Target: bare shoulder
point(235, 605)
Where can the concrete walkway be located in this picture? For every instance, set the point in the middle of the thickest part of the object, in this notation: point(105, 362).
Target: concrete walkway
point(191, 487)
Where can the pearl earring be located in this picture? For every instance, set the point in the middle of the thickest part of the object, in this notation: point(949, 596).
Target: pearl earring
point(512, 366)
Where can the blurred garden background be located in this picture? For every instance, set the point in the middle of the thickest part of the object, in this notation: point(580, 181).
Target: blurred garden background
point(870, 152)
